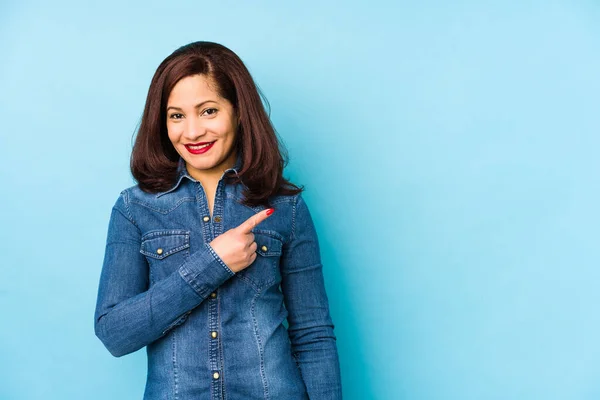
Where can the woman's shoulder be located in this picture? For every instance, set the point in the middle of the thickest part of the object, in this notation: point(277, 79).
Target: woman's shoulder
point(135, 195)
point(284, 198)
point(294, 206)
point(135, 192)
point(280, 198)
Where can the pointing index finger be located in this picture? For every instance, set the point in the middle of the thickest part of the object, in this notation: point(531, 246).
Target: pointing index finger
point(254, 220)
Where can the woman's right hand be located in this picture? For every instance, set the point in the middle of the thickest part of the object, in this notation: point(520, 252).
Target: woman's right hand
point(237, 247)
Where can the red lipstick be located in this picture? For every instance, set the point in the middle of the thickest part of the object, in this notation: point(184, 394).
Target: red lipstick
point(194, 149)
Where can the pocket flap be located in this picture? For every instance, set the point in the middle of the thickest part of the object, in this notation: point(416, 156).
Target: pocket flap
point(268, 244)
point(161, 244)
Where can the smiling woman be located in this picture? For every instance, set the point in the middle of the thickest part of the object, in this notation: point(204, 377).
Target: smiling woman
point(202, 127)
point(213, 249)
point(212, 120)
point(192, 75)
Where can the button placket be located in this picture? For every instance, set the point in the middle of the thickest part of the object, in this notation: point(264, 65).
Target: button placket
point(210, 231)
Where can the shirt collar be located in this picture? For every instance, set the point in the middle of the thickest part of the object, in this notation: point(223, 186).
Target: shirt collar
point(183, 173)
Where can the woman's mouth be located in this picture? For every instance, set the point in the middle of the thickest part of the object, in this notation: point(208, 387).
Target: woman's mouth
point(199, 148)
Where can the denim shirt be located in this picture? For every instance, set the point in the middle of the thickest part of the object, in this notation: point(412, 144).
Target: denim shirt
point(211, 333)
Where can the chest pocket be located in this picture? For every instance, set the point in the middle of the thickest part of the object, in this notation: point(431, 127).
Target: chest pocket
point(264, 271)
point(165, 251)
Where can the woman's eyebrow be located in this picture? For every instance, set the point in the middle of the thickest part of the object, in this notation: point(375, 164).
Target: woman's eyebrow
point(196, 106)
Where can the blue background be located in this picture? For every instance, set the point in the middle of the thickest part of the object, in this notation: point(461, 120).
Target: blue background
point(449, 155)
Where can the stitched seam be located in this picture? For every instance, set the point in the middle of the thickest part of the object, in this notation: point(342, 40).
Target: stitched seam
point(175, 377)
point(260, 349)
point(168, 253)
point(127, 210)
point(255, 285)
point(165, 232)
point(173, 188)
point(248, 281)
point(269, 232)
point(163, 211)
point(293, 270)
point(115, 241)
point(190, 280)
point(256, 208)
point(216, 257)
point(178, 321)
point(293, 235)
point(275, 243)
point(220, 347)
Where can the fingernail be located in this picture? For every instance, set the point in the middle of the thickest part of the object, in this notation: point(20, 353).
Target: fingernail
point(270, 211)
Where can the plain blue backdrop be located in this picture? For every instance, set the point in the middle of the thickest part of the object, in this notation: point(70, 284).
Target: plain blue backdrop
point(449, 154)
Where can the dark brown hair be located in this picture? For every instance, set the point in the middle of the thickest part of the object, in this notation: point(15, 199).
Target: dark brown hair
point(154, 159)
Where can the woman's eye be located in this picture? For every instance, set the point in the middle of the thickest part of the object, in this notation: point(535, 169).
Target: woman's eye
point(211, 109)
point(175, 116)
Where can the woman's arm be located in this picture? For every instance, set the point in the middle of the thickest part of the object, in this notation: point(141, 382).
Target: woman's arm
point(128, 315)
point(310, 324)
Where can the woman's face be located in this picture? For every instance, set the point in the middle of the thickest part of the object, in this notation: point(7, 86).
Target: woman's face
point(197, 115)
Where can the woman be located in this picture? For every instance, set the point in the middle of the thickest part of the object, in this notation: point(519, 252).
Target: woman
point(213, 249)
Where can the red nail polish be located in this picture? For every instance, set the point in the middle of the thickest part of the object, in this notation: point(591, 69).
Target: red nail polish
point(270, 211)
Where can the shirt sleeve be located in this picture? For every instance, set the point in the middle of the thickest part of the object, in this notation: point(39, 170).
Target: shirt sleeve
point(128, 314)
point(311, 328)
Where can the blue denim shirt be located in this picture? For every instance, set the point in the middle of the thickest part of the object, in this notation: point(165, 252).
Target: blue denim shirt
point(211, 333)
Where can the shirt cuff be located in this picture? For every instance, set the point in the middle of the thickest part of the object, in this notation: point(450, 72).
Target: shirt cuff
point(205, 271)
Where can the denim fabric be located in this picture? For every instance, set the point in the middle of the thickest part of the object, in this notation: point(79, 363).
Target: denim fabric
point(211, 333)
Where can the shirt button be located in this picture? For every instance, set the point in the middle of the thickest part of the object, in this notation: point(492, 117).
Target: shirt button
point(264, 248)
point(214, 334)
point(159, 251)
point(213, 295)
point(206, 218)
point(217, 219)
point(216, 375)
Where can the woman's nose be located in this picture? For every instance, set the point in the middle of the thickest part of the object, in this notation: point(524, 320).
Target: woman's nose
point(194, 128)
